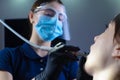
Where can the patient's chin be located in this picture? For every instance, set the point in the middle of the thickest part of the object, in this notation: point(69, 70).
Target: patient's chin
point(89, 69)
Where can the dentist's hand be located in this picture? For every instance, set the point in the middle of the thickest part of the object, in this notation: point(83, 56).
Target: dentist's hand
point(56, 60)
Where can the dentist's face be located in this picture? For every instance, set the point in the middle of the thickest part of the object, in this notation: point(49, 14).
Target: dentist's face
point(47, 11)
point(101, 50)
point(48, 14)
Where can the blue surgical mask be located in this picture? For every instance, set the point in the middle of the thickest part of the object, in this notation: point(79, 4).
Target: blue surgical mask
point(49, 28)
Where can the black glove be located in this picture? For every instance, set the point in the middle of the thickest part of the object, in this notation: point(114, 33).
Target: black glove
point(64, 55)
point(56, 60)
point(82, 75)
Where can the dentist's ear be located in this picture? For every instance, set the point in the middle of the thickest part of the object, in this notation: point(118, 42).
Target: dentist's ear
point(31, 17)
point(116, 53)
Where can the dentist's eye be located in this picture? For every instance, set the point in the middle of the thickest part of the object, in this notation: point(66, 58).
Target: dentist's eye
point(49, 12)
point(61, 17)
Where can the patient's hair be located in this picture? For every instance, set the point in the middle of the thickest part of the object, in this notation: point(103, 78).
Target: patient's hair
point(117, 37)
point(117, 28)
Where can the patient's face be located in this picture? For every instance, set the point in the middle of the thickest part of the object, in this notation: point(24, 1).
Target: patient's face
point(101, 50)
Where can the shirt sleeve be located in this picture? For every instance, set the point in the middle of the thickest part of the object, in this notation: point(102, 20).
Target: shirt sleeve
point(5, 60)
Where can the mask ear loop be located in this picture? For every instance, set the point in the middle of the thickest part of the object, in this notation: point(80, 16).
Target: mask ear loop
point(49, 49)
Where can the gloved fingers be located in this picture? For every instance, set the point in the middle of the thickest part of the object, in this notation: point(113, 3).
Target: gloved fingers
point(68, 48)
point(71, 55)
point(65, 54)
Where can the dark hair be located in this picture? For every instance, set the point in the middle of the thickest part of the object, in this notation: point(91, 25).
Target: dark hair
point(117, 28)
point(39, 2)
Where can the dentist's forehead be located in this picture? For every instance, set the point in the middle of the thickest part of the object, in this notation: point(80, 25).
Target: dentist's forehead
point(59, 7)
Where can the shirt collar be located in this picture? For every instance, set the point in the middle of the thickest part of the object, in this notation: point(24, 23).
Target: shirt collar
point(29, 52)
